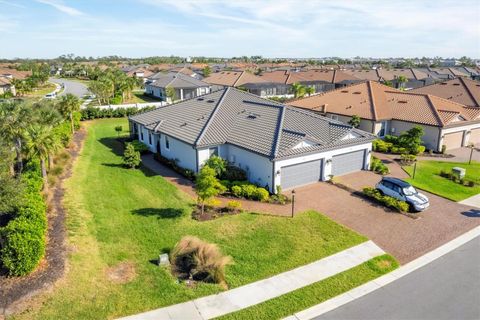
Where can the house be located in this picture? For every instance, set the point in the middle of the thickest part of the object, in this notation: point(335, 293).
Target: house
point(415, 77)
point(384, 110)
point(461, 90)
point(139, 71)
point(6, 86)
point(277, 145)
point(240, 79)
point(185, 87)
point(14, 74)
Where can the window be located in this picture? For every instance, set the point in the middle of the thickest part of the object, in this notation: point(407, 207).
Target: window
point(383, 129)
point(149, 138)
point(167, 143)
point(213, 151)
point(141, 134)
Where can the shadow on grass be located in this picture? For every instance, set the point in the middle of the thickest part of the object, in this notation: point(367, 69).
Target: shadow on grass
point(161, 213)
point(114, 144)
point(472, 213)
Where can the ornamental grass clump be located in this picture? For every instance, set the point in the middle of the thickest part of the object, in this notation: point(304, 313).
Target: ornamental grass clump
point(196, 259)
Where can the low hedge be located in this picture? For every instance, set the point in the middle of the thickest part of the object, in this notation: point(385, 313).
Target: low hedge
point(377, 166)
point(462, 181)
point(388, 145)
point(90, 113)
point(388, 201)
point(173, 164)
point(23, 238)
point(244, 189)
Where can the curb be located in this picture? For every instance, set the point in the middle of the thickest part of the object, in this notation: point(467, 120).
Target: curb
point(384, 280)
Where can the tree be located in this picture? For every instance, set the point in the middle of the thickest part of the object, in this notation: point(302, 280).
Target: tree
point(14, 118)
point(69, 104)
point(42, 142)
point(170, 93)
point(355, 121)
point(131, 158)
point(118, 129)
point(388, 83)
point(206, 71)
point(298, 90)
point(10, 187)
point(207, 186)
point(309, 90)
point(411, 139)
point(401, 81)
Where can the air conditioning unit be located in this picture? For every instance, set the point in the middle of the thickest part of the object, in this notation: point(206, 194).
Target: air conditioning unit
point(392, 130)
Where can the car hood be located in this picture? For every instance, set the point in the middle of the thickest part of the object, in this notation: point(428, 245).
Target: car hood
point(418, 198)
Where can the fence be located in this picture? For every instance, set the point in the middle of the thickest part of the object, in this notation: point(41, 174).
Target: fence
point(131, 105)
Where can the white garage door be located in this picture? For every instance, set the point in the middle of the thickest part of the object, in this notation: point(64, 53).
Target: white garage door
point(347, 162)
point(300, 174)
point(475, 137)
point(453, 140)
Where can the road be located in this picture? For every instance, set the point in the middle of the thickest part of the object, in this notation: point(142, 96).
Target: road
point(73, 87)
point(447, 288)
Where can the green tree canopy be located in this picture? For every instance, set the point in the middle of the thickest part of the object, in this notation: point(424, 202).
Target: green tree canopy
point(207, 185)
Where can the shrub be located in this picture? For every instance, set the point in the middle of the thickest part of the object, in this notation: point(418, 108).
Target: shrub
point(376, 165)
point(90, 113)
point(203, 261)
point(420, 150)
point(391, 139)
point(131, 157)
point(388, 201)
point(444, 149)
point(248, 190)
point(398, 150)
point(233, 173)
point(118, 129)
point(381, 146)
point(139, 146)
point(237, 191)
point(261, 194)
point(408, 159)
point(234, 205)
point(470, 183)
point(218, 164)
point(227, 184)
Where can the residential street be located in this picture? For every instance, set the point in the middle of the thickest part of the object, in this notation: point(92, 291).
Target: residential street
point(447, 288)
point(73, 87)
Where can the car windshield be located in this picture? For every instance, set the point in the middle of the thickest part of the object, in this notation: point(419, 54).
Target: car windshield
point(409, 191)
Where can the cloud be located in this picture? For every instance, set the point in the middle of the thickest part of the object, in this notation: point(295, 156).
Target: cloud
point(60, 6)
point(12, 4)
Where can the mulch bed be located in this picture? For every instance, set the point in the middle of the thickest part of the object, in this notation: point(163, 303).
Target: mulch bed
point(211, 213)
point(15, 291)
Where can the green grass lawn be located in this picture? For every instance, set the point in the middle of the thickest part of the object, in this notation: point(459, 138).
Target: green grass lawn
point(117, 215)
point(40, 92)
point(318, 292)
point(427, 178)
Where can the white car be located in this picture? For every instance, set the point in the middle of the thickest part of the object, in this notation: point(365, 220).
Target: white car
point(51, 95)
point(403, 191)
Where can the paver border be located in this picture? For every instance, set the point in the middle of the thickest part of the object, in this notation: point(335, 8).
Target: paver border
point(384, 280)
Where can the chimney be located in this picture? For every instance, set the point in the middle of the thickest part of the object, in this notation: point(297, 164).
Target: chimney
point(325, 108)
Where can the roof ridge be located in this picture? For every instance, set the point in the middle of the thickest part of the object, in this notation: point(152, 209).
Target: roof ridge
point(468, 91)
point(435, 111)
point(372, 102)
point(279, 130)
point(210, 119)
point(238, 79)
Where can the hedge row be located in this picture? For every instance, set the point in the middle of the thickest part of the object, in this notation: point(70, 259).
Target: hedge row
point(23, 238)
point(244, 189)
point(388, 201)
point(90, 113)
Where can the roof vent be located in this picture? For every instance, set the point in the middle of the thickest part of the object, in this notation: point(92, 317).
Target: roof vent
point(443, 83)
point(357, 92)
point(344, 91)
point(210, 101)
point(183, 124)
point(402, 101)
point(200, 99)
point(456, 84)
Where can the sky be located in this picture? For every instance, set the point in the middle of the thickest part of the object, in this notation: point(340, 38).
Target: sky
point(214, 28)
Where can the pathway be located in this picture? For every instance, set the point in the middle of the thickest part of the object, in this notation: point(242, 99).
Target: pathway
point(472, 201)
point(257, 292)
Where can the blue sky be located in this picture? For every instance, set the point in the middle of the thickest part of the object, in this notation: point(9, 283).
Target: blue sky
point(271, 28)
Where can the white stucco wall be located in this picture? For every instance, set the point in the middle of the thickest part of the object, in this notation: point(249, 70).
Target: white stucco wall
point(327, 167)
point(365, 125)
point(466, 132)
point(430, 138)
point(180, 150)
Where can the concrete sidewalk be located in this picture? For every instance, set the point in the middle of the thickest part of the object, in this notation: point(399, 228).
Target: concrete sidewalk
point(263, 290)
point(472, 201)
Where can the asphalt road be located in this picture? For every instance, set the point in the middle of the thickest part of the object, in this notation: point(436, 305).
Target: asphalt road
point(447, 288)
point(73, 87)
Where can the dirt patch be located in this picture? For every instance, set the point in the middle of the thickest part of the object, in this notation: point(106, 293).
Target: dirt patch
point(123, 272)
point(384, 264)
point(16, 292)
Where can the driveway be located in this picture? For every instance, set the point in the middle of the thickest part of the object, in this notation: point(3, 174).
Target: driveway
point(447, 288)
point(76, 88)
point(460, 155)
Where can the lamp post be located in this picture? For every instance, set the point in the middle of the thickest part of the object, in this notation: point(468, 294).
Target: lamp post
point(414, 169)
point(293, 202)
point(471, 146)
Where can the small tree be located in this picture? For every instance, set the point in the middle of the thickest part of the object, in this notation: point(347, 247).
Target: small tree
point(355, 121)
point(218, 164)
point(207, 71)
point(118, 129)
point(207, 186)
point(170, 93)
point(401, 81)
point(309, 90)
point(131, 158)
point(411, 139)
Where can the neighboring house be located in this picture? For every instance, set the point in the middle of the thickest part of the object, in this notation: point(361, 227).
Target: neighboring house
point(241, 79)
point(185, 87)
point(139, 71)
point(14, 74)
point(460, 90)
point(415, 77)
point(6, 86)
point(187, 71)
point(384, 110)
point(275, 144)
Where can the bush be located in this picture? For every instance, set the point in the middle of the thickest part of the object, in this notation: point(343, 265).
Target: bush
point(398, 150)
point(470, 183)
point(391, 139)
point(233, 173)
point(261, 194)
point(381, 146)
point(90, 113)
point(377, 166)
point(237, 191)
point(444, 149)
point(248, 190)
point(218, 164)
point(201, 260)
point(420, 149)
point(408, 159)
point(139, 146)
point(388, 201)
point(131, 157)
point(234, 206)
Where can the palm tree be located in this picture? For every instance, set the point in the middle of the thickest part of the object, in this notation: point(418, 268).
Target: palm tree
point(68, 105)
point(14, 118)
point(309, 90)
point(401, 81)
point(298, 90)
point(42, 142)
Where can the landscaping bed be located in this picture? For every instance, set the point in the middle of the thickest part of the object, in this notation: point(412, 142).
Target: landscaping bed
point(428, 178)
point(119, 220)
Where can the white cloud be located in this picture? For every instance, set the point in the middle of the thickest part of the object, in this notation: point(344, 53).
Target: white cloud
point(60, 6)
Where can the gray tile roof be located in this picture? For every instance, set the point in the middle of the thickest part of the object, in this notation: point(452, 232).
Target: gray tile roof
point(250, 122)
point(176, 80)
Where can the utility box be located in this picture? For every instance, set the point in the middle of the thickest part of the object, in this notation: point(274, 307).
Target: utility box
point(163, 260)
point(459, 172)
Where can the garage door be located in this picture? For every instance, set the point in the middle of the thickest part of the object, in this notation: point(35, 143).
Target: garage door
point(301, 174)
point(475, 137)
point(453, 140)
point(347, 162)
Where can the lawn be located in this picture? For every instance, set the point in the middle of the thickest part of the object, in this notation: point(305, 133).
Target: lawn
point(121, 217)
point(40, 92)
point(427, 178)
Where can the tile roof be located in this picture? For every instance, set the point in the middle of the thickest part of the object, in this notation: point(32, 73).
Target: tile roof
point(311, 75)
point(248, 121)
point(4, 81)
point(16, 74)
point(233, 78)
point(374, 101)
point(460, 90)
point(176, 80)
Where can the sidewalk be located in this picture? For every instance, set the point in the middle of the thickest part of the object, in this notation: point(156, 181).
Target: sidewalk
point(472, 201)
point(254, 293)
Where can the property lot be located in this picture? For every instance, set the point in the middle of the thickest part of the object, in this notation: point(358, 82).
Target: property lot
point(403, 237)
